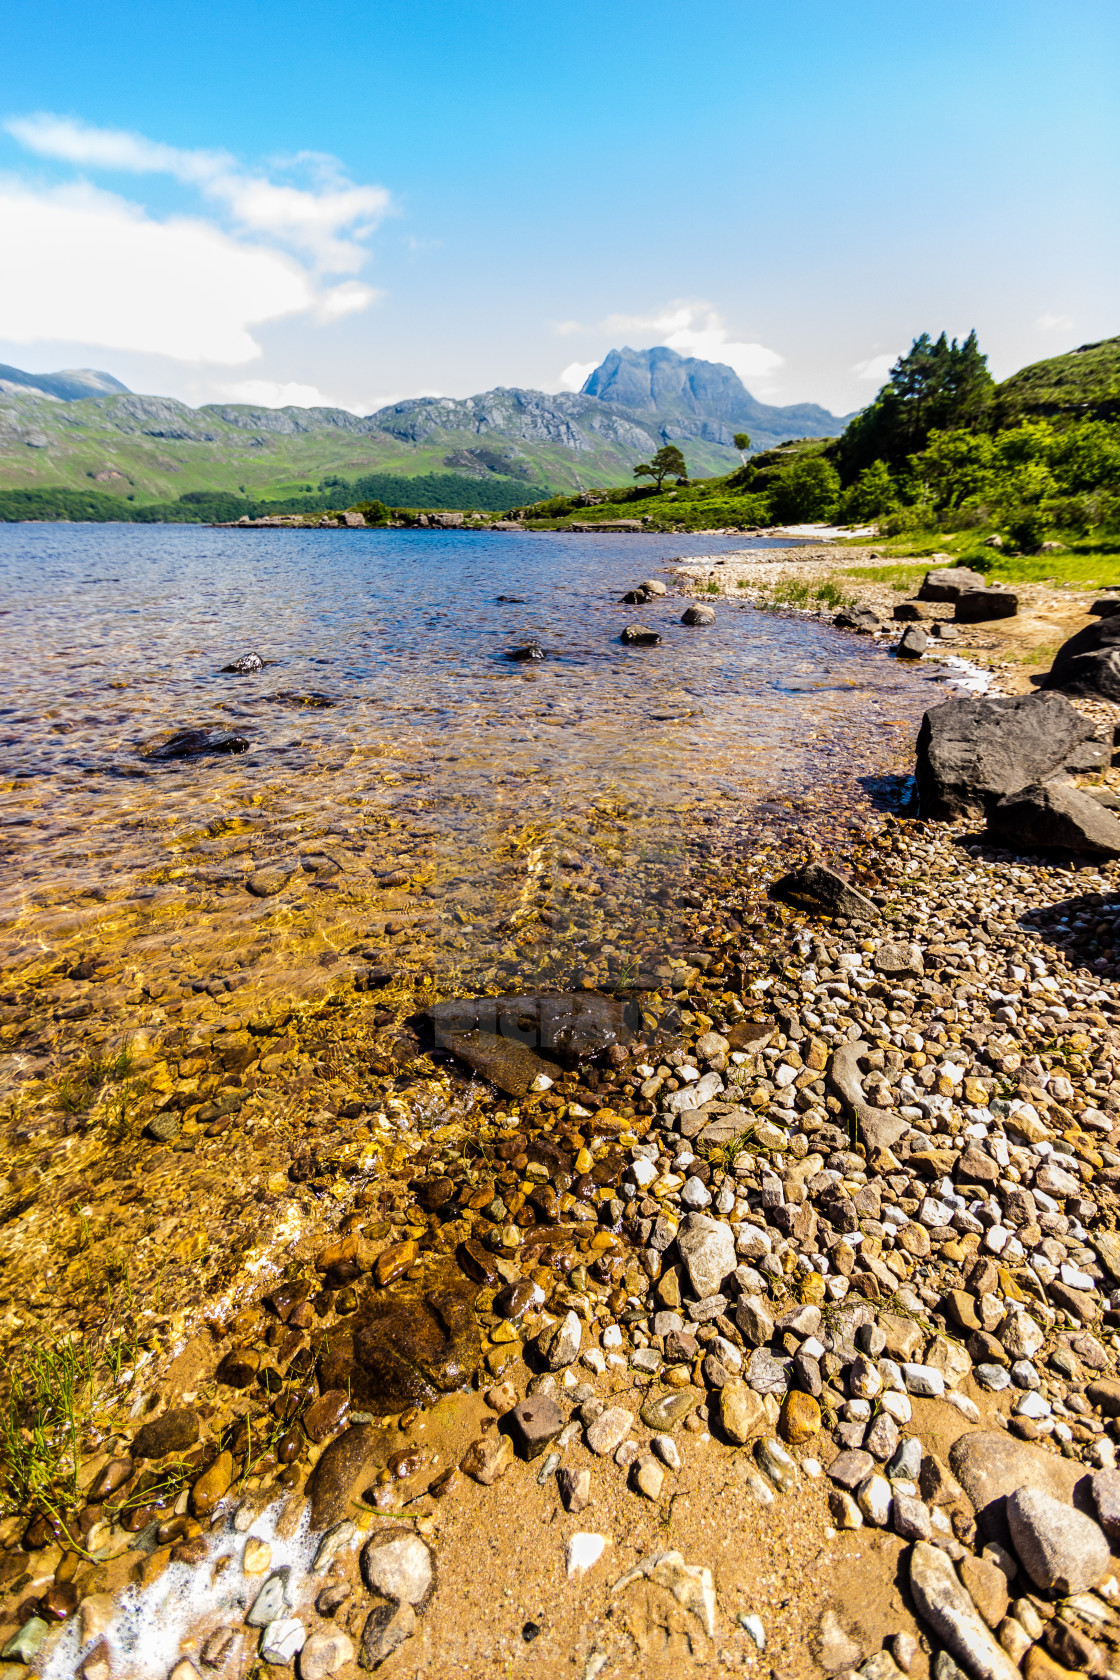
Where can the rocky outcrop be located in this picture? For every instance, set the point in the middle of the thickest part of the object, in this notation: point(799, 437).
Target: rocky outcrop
point(972, 753)
point(948, 582)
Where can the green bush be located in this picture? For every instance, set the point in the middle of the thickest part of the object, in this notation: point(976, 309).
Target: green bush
point(1026, 530)
point(807, 490)
point(374, 513)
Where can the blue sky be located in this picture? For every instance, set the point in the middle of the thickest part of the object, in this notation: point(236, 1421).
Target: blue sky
point(356, 203)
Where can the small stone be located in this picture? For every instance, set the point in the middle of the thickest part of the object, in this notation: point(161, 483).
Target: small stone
point(881, 1440)
point(333, 1543)
point(25, 1643)
point(1021, 1336)
point(1061, 1549)
point(387, 1627)
point(698, 614)
point(924, 1381)
point(910, 1517)
point(906, 1462)
point(271, 1602)
point(755, 1320)
point(874, 1499)
point(502, 1398)
point(324, 1654)
point(800, 1418)
point(212, 1485)
point(849, 1469)
point(583, 1551)
point(668, 1410)
point(938, 1484)
point(575, 1489)
point(987, 1587)
point(283, 1640)
point(609, 1430)
point(326, 1415)
point(1106, 1497)
point(219, 1647)
point(559, 1344)
point(774, 1461)
point(398, 1566)
point(488, 1458)
point(742, 1412)
point(843, 1509)
point(647, 1476)
point(666, 1449)
point(256, 1559)
point(536, 1423)
point(707, 1248)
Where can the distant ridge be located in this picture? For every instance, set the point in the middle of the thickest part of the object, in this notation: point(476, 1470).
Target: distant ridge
point(69, 385)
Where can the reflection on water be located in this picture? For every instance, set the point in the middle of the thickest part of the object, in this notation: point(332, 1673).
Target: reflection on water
point(404, 785)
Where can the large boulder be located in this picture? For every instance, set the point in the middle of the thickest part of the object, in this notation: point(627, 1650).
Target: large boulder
point(977, 606)
point(825, 890)
point(1055, 815)
point(405, 1351)
point(948, 582)
point(990, 1464)
point(1088, 664)
point(971, 753)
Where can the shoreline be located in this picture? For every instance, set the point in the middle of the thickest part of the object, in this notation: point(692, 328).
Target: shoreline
point(753, 1011)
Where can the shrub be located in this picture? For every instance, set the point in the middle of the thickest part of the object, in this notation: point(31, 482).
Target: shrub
point(1026, 530)
point(808, 489)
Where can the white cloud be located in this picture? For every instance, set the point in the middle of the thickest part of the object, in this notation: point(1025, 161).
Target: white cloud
point(327, 221)
point(696, 329)
point(875, 369)
point(574, 375)
point(274, 393)
point(1054, 323)
point(87, 267)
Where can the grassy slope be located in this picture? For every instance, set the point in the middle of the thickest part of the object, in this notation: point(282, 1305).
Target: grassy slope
point(1082, 384)
point(82, 443)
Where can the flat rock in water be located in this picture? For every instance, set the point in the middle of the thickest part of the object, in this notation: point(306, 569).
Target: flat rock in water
point(636, 635)
point(266, 883)
point(826, 891)
point(406, 1351)
point(1053, 815)
point(991, 1465)
point(971, 753)
point(175, 1431)
point(196, 743)
point(512, 1067)
point(339, 1475)
point(571, 1025)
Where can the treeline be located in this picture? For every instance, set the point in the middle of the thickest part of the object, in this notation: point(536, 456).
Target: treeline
point(446, 491)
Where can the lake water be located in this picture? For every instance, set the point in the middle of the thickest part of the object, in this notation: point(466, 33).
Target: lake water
point(421, 796)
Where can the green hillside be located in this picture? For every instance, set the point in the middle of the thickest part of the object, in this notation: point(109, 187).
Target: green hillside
point(1082, 384)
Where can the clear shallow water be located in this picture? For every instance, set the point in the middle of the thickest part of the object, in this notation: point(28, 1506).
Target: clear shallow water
point(456, 793)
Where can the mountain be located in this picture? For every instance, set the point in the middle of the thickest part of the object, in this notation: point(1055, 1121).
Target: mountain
point(70, 385)
point(694, 399)
point(1084, 384)
point(156, 449)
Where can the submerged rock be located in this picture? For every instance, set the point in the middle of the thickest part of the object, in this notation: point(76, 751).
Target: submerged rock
point(571, 1025)
point(196, 743)
point(406, 1352)
point(528, 651)
point(510, 1066)
point(247, 663)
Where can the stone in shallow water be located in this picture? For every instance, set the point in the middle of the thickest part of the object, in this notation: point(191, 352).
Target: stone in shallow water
point(512, 1067)
point(387, 1627)
point(194, 743)
point(398, 1566)
point(339, 1475)
point(566, 1024)
point(405, 1351)
point(175, 1431)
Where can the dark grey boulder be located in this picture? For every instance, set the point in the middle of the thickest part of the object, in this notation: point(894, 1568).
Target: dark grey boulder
point(636, 635)
point(947, 582)
point(978, 606)
point(248, 662)
point(1105, 606)
point(826, 891)
point(1088, 664)
point(913, 643)
point(912, 612)
point(1055, 816)
point(858, 618)
point(529, 650)
point(698, 614)
point(971, 753)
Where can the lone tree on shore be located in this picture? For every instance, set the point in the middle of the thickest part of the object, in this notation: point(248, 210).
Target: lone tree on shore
point(667, 463)
point(742, 442)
